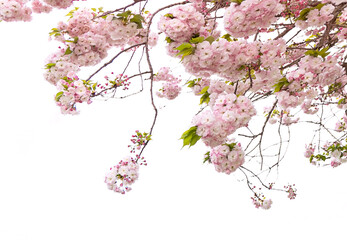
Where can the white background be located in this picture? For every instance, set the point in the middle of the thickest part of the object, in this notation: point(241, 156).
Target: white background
point(52, 166)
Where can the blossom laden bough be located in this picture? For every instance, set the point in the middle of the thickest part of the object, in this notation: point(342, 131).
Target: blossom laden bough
point(289, 55)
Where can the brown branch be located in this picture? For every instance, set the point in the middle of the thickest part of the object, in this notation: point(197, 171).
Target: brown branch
point(109, 62)
point(120, 9)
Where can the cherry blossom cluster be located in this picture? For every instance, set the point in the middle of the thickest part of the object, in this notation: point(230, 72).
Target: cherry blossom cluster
point(121, 176)
point(119, 80)
point(87, 38)
point(336, 152)
point(316, 17)
point(199, 84)
point(227, 157)
point(261, 202)
point(21, 10)
point(60, 3)
point(227, 114)
point(120, 33)
point(170, 88)
point(138, 140)
point(291, 190)
point(181, 23)
point(243, 20)
point(72, 90)
point(336, 2)
point(58, 65)
point(342, 34)
point(341, 125)
point(309, 150)
point(39, 7)
point(233, 60)
point(282, 116)
point(86, 41)
point(314, 76)
point(199, 5)
point(14, 10)
point(293, 7)
point(287, 100)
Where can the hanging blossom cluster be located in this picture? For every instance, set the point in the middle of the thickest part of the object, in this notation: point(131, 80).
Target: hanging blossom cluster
point(243, 20)
point(21, 10)
point(181, 23)
point(227, 114)
point(14, 10)
point(126, 172)
point(231, 60)
point(58, 65)
point(262, 203)
point(170, 88)
point(87, 38)
point(336, 152)
point(72, 90)
point(227, 157)
point(316, 17)
point(121, 176)
point(302, 87)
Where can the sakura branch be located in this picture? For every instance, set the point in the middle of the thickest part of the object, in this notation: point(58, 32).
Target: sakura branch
point(239, 56)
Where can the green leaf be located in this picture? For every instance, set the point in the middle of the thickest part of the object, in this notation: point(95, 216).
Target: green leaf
point(68, 51)
point(313, 53)
point(124, 15)
point(190, 137)
point(304, 12)
point(227, 37)
point(58, 96)
point(49, 65)
point(281, 83)
point(169, 40)
point(186, 140)
point(241, 68)
point(195, 138)
point(169, 15)
point(185, 49)
point(237, 1)
point(191, 83)
point(204, 90)
point(207, 157)
point(210, 39)
point(231, 146)
point(75, 40)
point(342, 101)
point(55, 32)
point(186, 133)
point(196, 40)
point(138, 19)
point(205, 98)
point(323, 53)
point(184, 46)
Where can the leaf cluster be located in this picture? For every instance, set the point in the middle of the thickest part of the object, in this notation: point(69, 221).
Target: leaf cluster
point(205, 98)
point(190, 137)
point(315, 53)
point(128, 16)
point(281, 83)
